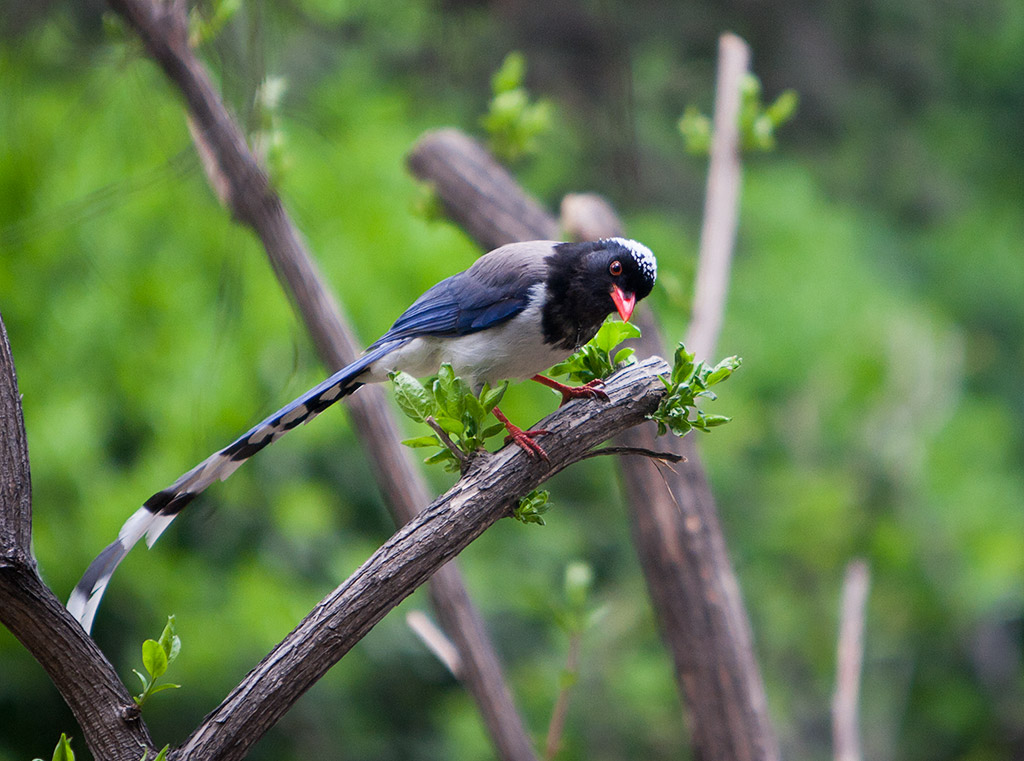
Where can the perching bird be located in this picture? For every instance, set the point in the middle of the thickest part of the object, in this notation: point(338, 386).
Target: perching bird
point(517, 311)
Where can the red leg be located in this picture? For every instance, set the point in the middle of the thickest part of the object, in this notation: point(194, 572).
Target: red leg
point(588, 391)
point(524, 439)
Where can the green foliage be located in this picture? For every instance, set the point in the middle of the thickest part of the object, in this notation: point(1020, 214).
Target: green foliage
point(157, 655)
point(532, 507)
point(63, 750)
point(595, 359)
point(758, 122)
point(514, 123)
point(448, 402)
point(688, 382)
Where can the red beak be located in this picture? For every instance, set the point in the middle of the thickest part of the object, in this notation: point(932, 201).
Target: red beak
point(624, 302)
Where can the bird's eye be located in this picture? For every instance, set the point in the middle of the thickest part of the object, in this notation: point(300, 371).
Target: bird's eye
point(615, 268)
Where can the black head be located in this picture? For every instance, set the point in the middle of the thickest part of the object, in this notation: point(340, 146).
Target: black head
point(589, 281)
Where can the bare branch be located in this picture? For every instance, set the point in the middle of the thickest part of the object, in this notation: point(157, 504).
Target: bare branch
point(463, 458)
point(477, 192)
point(721, 203)
point(435, 640)
point(561, 710)
point(241, 184)
point(408, 558)
point(849, 661)
point(15, 480)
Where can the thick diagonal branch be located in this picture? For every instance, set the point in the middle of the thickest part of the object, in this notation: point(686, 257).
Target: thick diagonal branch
point(486, 493)
point(242, 184)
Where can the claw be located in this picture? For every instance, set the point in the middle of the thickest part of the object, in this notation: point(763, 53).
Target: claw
point(524, 439)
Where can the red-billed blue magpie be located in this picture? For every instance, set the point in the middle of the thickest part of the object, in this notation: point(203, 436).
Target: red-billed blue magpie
point(517, 311)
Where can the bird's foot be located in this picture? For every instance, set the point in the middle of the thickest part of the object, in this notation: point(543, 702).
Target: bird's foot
point(524, 439)
point(590, 390)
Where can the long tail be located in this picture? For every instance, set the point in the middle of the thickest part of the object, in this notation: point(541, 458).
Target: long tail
point(158, 511)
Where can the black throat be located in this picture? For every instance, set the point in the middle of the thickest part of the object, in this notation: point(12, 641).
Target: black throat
point(573, 311)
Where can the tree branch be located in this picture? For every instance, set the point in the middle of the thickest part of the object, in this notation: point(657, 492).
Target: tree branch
point(721, 201)
point(240, 182)
point(849, 660)
point(36, 617)
point(487, 492)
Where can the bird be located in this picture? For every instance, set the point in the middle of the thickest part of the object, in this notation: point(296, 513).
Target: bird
point(515, 312)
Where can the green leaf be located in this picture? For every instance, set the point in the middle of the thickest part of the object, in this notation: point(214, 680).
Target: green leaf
point(784, 107)
point(143, 679)
point(510, 75)
point(63, 750)
point(162, 687)
point(493, 430)
point(422, 441)
point(624, 356)
point(169, 640)
point(683, 368)
point(723, 370)
point(162, 755)
point(154, 658)
point(614, 332)
point(443, 455)
point(450, 425)
point(713, 421)
point(490, 397)
point(414, 400)
point(475, 410)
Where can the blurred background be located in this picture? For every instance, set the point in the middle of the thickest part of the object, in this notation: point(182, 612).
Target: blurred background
point(876, 301)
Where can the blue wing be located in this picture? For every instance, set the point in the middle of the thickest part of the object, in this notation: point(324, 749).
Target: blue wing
point(459, 305)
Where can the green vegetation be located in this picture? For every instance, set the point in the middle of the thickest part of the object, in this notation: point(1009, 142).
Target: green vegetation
point(688, 383)
point(157, 655)
point(876, 301)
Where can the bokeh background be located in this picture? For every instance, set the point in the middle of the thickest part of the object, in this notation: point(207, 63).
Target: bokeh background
point(877, 300)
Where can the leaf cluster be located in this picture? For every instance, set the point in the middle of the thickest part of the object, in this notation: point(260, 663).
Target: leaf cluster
point(758, 121)
point(688, 382)
point(532, 507)
point(448, 402)
point(157, 655)
point(596, 360)
point(512, 122)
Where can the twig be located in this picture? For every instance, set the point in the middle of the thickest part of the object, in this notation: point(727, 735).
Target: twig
point(638, 451)
point(721, 203)
point(849, 662)
point(557, 725)
point(463, 458)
